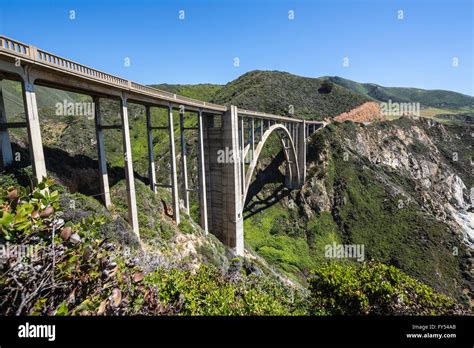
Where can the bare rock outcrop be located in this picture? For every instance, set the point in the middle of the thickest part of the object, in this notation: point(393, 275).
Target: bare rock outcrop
point(367, 112)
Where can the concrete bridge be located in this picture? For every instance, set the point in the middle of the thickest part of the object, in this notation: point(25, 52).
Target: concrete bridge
point(223, 184)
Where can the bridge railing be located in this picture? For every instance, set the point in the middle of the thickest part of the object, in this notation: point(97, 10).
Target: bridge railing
point(201, 103)
point(151, 90)
point(44, 57)
point(69, 65)
point(14, 46)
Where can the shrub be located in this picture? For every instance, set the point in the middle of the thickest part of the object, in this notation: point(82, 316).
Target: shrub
point(347, 288)
point(69, 270)
point(185, 226)
point(25, 212)
point(208, 292)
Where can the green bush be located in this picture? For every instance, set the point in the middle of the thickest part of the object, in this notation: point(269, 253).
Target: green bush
point(84, 267)
point(185, 226)
point(347, 288)
point(24, 211)
point(208, 292)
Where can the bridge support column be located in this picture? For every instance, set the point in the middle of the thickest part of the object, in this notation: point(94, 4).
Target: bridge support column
point(301, 150)
point(34, 131)
point(7, 153)
point(233, 222)
point(292, 179)
point(252, 138)
point(242, 153)
point(103, 175)
point(151, 156)
point(129, 177)
point(174, 175)
point(184, 165)
point(294, 135)
point(213, 158)
point(223, 179)
point(202, 174)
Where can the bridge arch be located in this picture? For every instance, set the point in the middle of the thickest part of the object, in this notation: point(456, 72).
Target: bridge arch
point(289, 151)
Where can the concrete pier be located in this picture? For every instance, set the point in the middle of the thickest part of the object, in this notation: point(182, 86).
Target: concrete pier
point(232, 174)
point(174, 173)
point(6, 146)
point(151, 155)
point(34, 131)
point(129, 176)
point(184, 164)
point(103, 175)
point(202, 135)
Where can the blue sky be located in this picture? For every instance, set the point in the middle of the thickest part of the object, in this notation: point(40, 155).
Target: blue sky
point(416, 51)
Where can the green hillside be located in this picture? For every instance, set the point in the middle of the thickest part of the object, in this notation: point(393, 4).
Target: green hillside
point(316, 98)
point(427, 98)
point(275, 92)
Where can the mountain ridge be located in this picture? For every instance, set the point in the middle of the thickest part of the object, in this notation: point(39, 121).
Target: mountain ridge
point(406, 94)
point(320, 97)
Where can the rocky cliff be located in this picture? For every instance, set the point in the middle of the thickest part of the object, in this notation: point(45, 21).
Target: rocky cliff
point(399, 188)
point(393, 187)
